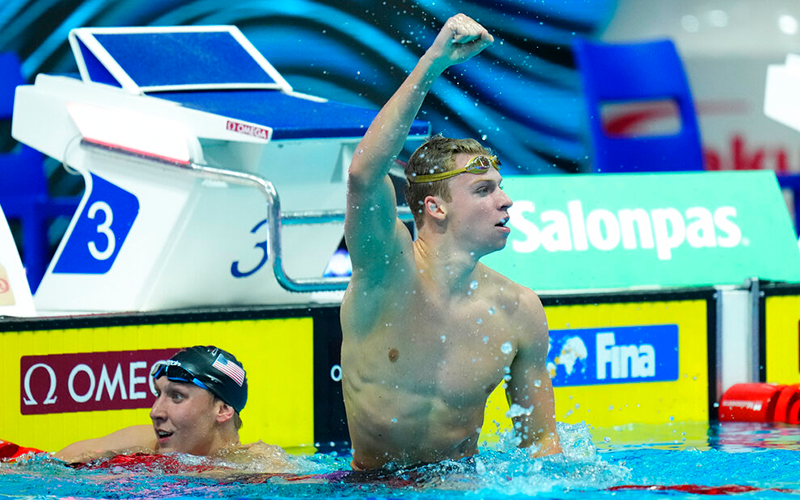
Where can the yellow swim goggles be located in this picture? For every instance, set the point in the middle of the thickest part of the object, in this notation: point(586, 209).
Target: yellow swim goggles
point(478, 165)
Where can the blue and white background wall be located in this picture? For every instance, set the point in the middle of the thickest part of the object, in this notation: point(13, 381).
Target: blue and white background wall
point(521, 97)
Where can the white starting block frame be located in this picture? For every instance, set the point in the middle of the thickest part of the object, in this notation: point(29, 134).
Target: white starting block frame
point(15, 293)
point(171, 145)
point(781, 99)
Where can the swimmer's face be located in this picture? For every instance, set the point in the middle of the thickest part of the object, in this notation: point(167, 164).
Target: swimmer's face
point(478, 210)
point(184, 418)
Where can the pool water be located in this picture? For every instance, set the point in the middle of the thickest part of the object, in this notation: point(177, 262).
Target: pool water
point(693, 461)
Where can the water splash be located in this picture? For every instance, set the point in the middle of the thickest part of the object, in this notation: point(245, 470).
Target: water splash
point(503, 470)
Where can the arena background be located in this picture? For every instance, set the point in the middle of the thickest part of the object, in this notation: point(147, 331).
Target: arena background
point(521, 98)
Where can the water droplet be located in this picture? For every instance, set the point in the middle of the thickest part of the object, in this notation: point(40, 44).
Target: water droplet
point(485, 339)
point(537, 383)
point(506, 348)
point(480, 321)
point(394, 420)
point(483, 137)
point(606, 439)
point(516, 410)
point(492, 311)
point(473, 285)
point(444, 338)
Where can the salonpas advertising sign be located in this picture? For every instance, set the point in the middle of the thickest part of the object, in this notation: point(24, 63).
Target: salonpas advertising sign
point(623, 230)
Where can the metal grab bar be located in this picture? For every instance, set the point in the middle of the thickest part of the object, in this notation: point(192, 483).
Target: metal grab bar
point(325, 216)
point(274, 217)
point(274, 223)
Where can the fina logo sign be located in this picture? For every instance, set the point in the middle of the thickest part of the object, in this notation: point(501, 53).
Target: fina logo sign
point(92, 381)
point(597, 356)
point(662, 229)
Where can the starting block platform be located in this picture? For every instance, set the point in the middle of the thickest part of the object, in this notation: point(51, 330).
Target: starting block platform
point(209, 181)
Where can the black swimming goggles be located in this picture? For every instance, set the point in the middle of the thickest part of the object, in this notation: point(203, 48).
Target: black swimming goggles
point(177, 373)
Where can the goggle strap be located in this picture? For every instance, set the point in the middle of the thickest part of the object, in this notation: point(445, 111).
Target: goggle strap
point(492, 161)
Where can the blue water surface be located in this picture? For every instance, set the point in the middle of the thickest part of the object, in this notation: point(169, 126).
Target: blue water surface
point(636, 461)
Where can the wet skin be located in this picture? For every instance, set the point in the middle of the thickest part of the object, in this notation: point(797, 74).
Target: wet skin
point(425, 351)
point(184, 418)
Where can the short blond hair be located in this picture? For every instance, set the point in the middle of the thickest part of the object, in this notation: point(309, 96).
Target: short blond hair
point(436, 155)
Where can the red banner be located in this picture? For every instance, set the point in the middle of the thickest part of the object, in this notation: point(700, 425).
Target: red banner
point(92, 381)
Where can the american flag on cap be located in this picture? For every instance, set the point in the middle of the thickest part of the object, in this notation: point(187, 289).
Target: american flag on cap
point(230, 369)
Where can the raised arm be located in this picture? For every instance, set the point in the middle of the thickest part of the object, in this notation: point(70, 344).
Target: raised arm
point(371, 225)
point(530, 386)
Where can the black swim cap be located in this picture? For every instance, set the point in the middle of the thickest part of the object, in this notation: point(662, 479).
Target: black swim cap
point(211, 368)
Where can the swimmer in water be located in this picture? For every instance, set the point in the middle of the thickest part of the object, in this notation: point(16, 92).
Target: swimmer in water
point(200, 392)
point(428, 331)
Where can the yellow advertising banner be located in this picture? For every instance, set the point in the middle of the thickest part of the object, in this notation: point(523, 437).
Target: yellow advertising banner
point(782, 338)
point(620, 363)
point(70, 384)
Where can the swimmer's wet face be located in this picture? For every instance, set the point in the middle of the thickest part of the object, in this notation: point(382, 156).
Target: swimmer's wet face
point(478, 209)
point(184, 417)
point(209, 368)
point(436, 156)
point(199, 393)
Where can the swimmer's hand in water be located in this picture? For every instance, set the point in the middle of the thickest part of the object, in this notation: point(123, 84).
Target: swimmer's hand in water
point(460, 39)
point(548, 445)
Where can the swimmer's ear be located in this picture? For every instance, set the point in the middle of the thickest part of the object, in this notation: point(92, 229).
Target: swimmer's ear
point(225, 412)
point(434, 208)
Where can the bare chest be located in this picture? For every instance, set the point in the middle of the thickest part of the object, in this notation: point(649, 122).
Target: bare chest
point(456, 351)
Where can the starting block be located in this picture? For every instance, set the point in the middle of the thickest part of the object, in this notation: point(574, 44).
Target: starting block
point(15, 294)
point(209, 181)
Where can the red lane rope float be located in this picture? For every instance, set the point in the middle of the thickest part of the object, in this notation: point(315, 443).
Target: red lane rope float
point(161, 463)
point(727, 489)
point(760, 402)
point(10, 452)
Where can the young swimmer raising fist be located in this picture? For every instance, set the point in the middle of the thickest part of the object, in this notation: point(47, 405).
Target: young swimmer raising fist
point(429, 331)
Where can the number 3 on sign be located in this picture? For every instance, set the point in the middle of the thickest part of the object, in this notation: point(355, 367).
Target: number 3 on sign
point(264, 255)
point(100, 231)
point(104, 229)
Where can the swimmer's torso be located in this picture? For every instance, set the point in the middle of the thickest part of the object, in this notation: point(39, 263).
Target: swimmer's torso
point(418, 365)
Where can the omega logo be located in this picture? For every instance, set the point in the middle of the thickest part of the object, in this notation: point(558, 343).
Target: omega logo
point(50, 399)
point(94, 381)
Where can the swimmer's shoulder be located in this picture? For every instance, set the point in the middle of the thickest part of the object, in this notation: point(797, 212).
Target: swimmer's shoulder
point(261, 456)
point(140, 438)
point(136, 438)
point(508, 287)
point(518, 299)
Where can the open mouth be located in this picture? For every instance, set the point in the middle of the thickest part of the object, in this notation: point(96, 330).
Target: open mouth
point(163, 434)
point(503, 222)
